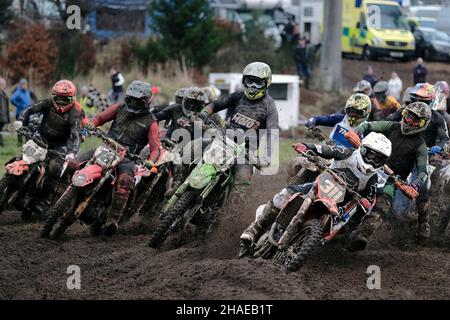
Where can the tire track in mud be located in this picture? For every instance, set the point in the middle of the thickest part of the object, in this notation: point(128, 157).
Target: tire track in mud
point(125, 268)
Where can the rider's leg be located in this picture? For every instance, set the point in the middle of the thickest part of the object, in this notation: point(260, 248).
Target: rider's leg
point(361, 235)
point(124, 185)
point(422, 205)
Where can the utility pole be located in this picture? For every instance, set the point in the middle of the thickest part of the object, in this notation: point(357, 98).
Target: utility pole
point(330, 68)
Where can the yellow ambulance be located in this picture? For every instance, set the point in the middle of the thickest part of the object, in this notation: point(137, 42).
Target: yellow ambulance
point(376, 28)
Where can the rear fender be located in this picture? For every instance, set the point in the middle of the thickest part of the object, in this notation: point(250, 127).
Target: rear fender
point(87, 175)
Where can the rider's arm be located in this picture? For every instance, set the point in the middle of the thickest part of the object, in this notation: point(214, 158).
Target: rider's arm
point(442, 130)
point(395, 116)
point(377, 126)
point(154, 142)
point(73, 144)
point(330, 152)
point(39, 106)
point(166, 113)
point(327, 121)
point(107, 115)
point(225, 102)
point(422, 159)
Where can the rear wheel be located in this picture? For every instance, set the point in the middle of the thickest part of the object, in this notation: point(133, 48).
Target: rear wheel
point(64, 204)
point(162, 232)
point(307, 240)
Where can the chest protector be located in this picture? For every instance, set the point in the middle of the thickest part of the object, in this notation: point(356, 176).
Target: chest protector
point(249, 115)
point(131, 130)
point(57, 126)
point(354, 177)
point(339, 131)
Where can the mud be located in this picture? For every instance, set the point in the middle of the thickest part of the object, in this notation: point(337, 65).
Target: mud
point(125, 268)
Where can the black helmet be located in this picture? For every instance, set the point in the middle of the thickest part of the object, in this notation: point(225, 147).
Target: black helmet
point(139, 97)
point(194, 101)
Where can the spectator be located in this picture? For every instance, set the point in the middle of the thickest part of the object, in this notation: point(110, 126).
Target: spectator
point(420, 72)
point(386, 103)
point(371, 77)
point(395, 86)
point(295, 33)
point(4, 109)
point(21, 99)
point(116, 94)
point(301, 58)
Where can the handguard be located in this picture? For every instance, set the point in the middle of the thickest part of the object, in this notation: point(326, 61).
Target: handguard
point(407, 190)
point(353, 138)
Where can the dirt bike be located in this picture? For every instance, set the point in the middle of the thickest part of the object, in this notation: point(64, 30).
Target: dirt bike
point(204, 192)
point(150, 185)
point(329, 208)
point(21, 187)
point(89, 196)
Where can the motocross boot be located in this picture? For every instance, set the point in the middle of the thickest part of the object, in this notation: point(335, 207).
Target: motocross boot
point(254, 231)
point(178, 175)
point(360, 237)
point(424, 226)
point(119, 203)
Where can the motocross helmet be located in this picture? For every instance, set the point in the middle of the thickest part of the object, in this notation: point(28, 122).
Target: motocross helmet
point(422, 92)
point(179, 94)
point(256, 79)
point(194, 101)
point(381, 91)
point(415, 118)
point(363, 86)
point(138, 97)
point(63, 95)
point(442, 86)
point(440, 102)
point(212, 93)
point(374, 152)
point(358, 108)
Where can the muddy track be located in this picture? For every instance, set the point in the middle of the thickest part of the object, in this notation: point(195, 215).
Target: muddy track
point(124, 268)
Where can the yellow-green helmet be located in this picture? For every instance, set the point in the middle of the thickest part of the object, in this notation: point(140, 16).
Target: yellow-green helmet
point(358, 109)
point(256, 79)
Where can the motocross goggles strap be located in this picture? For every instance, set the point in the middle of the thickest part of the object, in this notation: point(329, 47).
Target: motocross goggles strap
point(355, 113)
point(62, 100)
point(372, 157)
point(254, 82)
point(193, 105)
point(413, 120)
point(136, 104)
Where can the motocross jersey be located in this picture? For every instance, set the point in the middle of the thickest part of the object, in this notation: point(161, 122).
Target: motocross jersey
point(407, 150)
point(345, 162)
point(341, 127)
point(245, 114)
point(436, 134)
point(133, 131)
point(57, 128)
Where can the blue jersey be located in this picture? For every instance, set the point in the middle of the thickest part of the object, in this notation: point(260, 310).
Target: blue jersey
point(340, 125)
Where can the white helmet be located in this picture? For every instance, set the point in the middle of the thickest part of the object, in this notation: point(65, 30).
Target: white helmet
point(374, 152)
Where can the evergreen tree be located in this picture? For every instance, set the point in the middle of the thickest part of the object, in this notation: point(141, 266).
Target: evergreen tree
point(6, 14)
point(187, 29)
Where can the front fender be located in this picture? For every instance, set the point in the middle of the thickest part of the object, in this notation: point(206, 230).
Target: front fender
point(329, 204)
point(87, 175)
point(201, 176)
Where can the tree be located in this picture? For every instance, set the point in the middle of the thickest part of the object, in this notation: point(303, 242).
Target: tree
point(6, 14)
point(33, 56)
point(330, 68)
point(187, 29)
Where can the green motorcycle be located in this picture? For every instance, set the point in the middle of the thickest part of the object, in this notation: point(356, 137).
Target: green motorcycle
point(199, 199)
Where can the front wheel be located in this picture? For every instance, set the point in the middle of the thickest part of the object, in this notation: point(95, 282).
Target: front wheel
point(162, 232)
point(65, 203)
point(309, 237)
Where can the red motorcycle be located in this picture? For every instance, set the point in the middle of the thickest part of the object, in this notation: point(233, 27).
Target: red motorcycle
point(89, 196)
point(22, 185)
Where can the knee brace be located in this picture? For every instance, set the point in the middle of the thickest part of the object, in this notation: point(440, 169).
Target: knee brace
point(124, 185)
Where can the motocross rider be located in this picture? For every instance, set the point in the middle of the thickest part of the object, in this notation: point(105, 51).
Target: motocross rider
point(133, 126)
point(250, 108)
point(365, 87)
point(60, 126)
point(180, 116)
point(386, 104)
point(409, 150)
point(360, 168)
point(436, 133)
point(357, 110)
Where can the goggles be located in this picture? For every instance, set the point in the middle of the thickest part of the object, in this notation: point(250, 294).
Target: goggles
point(193, 105)
point(413, 120)
point(356, 113)
point(372, 157)
point(135, 104)
point(254, 82)
point(62, 101)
